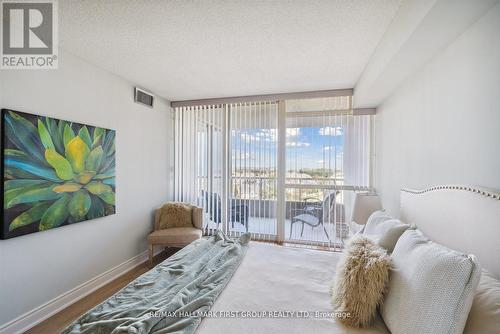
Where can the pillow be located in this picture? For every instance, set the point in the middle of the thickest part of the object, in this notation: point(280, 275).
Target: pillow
point(385, 232)
point(175, 215)
point(377, 217)
point(484, 315)
point(431, 287)
point(360, 281)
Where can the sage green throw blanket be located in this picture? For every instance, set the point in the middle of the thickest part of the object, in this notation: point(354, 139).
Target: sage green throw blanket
point(167, 298)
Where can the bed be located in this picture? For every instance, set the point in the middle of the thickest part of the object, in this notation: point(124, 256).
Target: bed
point(276, 278)
point(272, 281)
point(279, 278)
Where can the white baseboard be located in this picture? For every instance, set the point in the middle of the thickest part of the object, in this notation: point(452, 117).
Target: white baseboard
point(42, 312)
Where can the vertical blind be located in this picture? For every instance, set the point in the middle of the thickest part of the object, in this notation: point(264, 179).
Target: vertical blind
point(198, 158)
point(253, 169)
point(226, 161)
point(327, 161)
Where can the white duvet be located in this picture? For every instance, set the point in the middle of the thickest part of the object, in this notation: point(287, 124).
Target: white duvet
point(277, 281)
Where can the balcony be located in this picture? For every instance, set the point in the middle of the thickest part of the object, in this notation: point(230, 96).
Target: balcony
point(324, 223)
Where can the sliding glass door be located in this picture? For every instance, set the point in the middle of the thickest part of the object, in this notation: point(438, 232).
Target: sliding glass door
point(199, 161)
point(253, 169)
point(282, 170)
point(327, 158)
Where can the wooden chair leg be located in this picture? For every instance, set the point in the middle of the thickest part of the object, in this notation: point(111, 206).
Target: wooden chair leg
point(151, 254)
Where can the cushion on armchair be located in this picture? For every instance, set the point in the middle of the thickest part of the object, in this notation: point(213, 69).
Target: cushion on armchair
point(175, 236)
point(174, 215)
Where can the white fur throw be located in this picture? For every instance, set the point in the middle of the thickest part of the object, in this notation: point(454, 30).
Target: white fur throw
point(360, 281)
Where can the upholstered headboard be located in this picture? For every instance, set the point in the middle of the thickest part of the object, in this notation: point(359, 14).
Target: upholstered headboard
point(459, 217)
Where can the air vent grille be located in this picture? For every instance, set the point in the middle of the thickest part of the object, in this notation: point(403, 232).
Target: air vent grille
point(143, 97)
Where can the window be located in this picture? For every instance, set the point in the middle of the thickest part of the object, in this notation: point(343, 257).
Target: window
point(228, 161)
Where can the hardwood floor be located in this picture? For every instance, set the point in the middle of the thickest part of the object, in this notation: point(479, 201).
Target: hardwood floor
point(57, 322)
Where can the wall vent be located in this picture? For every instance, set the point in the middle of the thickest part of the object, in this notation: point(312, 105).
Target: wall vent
point(143, 97)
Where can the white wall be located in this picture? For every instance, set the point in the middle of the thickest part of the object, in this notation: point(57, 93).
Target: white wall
point(443, 125)
point(38, 267)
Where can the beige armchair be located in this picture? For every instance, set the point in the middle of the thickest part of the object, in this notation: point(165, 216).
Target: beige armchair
point(177, 237)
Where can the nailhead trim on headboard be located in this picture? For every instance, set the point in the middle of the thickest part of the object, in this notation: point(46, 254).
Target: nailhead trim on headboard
point(484, 192)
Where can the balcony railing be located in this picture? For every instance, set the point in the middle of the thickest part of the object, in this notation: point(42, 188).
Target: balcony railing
point(265, 188)
point(253, 205)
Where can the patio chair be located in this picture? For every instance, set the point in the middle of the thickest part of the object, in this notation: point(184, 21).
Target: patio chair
point(314, 213)
point(213, 206)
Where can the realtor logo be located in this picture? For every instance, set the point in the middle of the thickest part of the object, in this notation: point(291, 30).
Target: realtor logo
point(29, 34)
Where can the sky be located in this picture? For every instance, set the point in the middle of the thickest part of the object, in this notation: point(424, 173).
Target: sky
point(307, 147)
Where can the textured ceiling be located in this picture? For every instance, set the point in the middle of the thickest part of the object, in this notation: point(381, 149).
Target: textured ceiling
point(201, 49)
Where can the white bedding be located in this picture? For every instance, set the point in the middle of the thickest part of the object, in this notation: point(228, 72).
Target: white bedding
point(276, 278)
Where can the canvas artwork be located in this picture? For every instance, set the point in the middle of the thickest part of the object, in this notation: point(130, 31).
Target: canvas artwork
point(55, 173)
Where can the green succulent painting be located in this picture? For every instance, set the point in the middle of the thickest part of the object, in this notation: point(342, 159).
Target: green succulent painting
point(55, 173)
